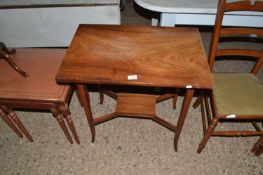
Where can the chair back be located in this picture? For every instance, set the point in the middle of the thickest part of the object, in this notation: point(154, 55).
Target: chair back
point(221, 32)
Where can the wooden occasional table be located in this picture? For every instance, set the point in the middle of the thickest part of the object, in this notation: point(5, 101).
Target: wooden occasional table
point(136, 56)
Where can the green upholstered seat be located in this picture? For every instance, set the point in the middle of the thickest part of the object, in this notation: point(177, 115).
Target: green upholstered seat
point(238, 93)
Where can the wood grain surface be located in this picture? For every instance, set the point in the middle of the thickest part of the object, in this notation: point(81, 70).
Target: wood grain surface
point(42, 66)
point(108, 54)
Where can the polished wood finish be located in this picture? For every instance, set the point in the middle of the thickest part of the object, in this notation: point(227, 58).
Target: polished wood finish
point(39, 90)
point(9, 122)
point(84, 99)
point(138, 56)
point(183, 112)
point(115, 52)
point(136, 104)
point(216, 53)
point(57, 115)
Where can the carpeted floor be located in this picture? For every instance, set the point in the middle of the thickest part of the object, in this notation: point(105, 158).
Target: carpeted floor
point(124, 146)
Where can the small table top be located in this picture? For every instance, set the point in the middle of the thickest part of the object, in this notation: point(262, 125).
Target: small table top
point(41, 65)
point(136, 55)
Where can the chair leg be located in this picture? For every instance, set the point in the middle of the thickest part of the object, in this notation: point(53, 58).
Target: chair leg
point(9, 122)
point(208, 133)
point(258, 147)
point(67, 115)
point(56, 113)
point(259, 151)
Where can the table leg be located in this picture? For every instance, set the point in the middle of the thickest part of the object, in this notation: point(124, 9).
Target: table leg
point(67, 115)
point(9, 122)
point(85, 100)
point(182, 116)
point(59, 117)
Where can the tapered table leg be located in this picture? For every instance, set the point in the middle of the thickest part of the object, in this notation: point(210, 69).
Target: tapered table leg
point(9, 122)
point(182, 116)
point(20, 125)
point(67, 115)
point(84, 99)
point(59, 117)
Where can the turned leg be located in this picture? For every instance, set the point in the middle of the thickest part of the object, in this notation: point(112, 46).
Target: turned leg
point(84, 97)
point(182, 116)
point(208, 133)
point(66, 113)
point(9, 122)
point(56, 113)
point(18, 123)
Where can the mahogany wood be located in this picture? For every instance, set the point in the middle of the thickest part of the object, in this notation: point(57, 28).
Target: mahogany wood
point(203, 116)
point(241, 31)
point(18, 123)
point(258, 147)
point(159, 56)
point(137, 56)
point(219, 32)
point(136, 104)
point(165, 123)
point(164, 97)
point(67, 115)
point(185, 106)
point(158, 99)
point(39, 90)
point(85, 101)
point(10, 123)
point(105, 118)
point(110, 93)
point(58, 116)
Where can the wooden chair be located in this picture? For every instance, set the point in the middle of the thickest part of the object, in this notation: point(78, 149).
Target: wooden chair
point(258, 147)
point(236, 96)
point(36, 90)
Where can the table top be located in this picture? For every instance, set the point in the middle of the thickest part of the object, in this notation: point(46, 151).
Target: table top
point(42, 66)
point(136, 55)
point(183, 6)
point(54, 3)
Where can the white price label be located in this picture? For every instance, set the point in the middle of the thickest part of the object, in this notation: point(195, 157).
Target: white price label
point(132, 77)
point(231, 116)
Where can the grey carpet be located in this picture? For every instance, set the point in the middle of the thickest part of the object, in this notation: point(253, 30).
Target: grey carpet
point(124, 146)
